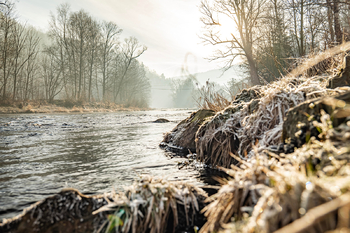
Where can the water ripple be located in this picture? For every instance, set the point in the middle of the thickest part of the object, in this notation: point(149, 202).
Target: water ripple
point(41, 154)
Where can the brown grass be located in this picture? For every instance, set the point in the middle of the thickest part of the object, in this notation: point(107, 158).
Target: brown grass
point(314, 60)
point(211, 99)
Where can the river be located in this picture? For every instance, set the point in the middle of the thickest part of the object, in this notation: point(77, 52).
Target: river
point(40, 154)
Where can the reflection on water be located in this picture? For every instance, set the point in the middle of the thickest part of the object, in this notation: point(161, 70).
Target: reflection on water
point(41, 154)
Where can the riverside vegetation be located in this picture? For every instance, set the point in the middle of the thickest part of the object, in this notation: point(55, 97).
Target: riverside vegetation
point(284, 146)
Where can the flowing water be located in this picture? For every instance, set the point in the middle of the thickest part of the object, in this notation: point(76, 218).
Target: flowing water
point(41, 154)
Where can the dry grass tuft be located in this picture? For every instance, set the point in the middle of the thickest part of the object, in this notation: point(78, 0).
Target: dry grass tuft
point(314, 60)
point(76, 109)
point(211, 99)
point(152, 205)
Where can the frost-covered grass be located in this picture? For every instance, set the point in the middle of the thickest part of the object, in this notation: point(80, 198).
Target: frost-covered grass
point(257, 121)
point(151, 205)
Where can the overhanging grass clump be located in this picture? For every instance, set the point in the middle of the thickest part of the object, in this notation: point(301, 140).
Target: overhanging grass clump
point(154, 205)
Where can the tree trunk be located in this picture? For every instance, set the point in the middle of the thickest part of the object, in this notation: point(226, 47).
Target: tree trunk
point(302, 50)
point(253, 70)
point(4, 62)
point(104, 76)
point(330, 19)
point(80, 68)
point(295, 25)
point(15, 80)
point(91, 70)
point(337, 29)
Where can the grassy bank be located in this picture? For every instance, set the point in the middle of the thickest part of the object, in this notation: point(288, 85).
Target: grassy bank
point(286, 147)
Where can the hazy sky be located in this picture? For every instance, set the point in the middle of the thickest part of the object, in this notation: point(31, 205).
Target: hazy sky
point(169, 28)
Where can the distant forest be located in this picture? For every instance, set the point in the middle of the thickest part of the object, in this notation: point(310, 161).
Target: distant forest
point(78, 59)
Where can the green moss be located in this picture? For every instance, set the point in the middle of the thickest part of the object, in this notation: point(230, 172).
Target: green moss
point(201, 115)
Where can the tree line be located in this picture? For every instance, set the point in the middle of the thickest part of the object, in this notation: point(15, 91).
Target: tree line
point(82, 60)
point(270, 35)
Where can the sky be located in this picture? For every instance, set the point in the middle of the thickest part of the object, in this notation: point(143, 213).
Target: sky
point(169, 28)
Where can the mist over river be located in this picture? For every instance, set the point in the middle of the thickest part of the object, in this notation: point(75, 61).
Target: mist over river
point(43, 153)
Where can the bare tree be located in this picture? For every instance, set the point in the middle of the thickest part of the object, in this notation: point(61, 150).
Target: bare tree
point(20, 37)
point(316, 22)
point(131, 50)
point(59, 34)
point(79, 23)
point(7, 43)
point(82, 57)
point(31, 66)
point(110, 32)
point(245, 15)
point(296, 9)
point(93, 40)
point(51, 72)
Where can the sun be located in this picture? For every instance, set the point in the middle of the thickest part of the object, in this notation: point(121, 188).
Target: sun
point(227, 26)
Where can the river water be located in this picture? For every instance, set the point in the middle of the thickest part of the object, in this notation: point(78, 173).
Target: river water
point(41, 154)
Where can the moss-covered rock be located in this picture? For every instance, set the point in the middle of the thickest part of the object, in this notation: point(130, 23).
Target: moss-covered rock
point(182, 137)
point(247, 95)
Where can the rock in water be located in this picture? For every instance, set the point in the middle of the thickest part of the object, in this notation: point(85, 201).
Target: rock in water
point(182, 137)
point(161, 120)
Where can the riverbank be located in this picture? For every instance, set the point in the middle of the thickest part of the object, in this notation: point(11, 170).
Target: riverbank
point(63, 107)
point(286, 147)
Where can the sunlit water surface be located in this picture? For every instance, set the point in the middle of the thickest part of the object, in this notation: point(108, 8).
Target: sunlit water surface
point(41, 154)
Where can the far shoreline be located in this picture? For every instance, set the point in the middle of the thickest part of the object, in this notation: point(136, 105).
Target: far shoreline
point(35, 107)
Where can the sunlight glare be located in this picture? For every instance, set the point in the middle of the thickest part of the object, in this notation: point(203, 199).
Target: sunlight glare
point(227, 26)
